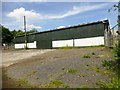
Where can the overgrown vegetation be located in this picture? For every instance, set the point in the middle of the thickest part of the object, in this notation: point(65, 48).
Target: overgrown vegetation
point(114, 66)
point(117, 50)
point(112, 84)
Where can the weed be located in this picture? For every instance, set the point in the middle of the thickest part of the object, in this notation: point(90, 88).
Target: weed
point(63, 68)
point(87, 56)
point(107, 64)
point(93, 53)
point(37, 78)
point(83, 75)
point(72, 71)
point(84, 86)
point(96, 69)
point(57, 83)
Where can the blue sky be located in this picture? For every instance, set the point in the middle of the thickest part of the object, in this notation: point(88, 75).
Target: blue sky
point(50, 15)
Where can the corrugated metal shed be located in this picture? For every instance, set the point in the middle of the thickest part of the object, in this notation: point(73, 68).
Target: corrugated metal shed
point(44, 39)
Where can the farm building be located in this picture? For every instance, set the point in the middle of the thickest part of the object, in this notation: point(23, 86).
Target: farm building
point(90, 34)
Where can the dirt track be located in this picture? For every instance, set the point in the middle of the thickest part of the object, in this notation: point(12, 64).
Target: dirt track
point(62, 68)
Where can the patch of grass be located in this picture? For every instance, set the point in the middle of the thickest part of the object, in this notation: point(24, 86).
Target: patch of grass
point(68, 47)
point(112, 84)
point(72, 71)
point(96, 69)
point(95, 46)
point(84, 86)
point(104, 55)
point(107, 64)
point(23, 82)
point(87, 56)
point(55, 84)
point(106, 72)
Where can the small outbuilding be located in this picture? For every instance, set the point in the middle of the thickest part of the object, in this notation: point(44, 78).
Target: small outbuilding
point(90, 34)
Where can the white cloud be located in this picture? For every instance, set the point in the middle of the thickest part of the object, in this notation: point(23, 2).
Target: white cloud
point(33, 27)
point(33, 15)
point(104, 19)
point(30, 27)
point(76, 10)
point(60, 27)
point(24, 1)
point(37, 0)
point(19, 13)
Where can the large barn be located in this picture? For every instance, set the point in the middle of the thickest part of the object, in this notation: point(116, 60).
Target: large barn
point(90, 34)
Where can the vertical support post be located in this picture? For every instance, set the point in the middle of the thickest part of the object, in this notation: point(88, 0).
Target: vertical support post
point(25, 33)
point(73, 42)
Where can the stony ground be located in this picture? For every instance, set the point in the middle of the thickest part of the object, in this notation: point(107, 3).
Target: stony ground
point(67, 68)
point(13, 56)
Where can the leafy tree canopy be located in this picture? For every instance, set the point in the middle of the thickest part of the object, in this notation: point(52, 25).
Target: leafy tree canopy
point(7, 36)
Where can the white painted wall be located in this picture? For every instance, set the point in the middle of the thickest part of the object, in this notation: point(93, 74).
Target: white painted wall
point(62, 43)
point(93, 41)
point(22, 45)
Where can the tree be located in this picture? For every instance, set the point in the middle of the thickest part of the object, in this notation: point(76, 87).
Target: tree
point(32, 31)
point(7, 37)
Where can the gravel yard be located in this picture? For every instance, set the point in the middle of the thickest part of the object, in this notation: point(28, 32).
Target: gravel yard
point(67, 68)
point(11, 57)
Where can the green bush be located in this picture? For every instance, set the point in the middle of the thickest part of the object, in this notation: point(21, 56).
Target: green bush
point(117, 51)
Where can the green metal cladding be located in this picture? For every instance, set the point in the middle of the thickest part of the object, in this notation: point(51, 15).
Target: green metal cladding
point(44, 39)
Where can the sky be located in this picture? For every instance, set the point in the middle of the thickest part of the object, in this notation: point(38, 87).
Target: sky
point(51, 15)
